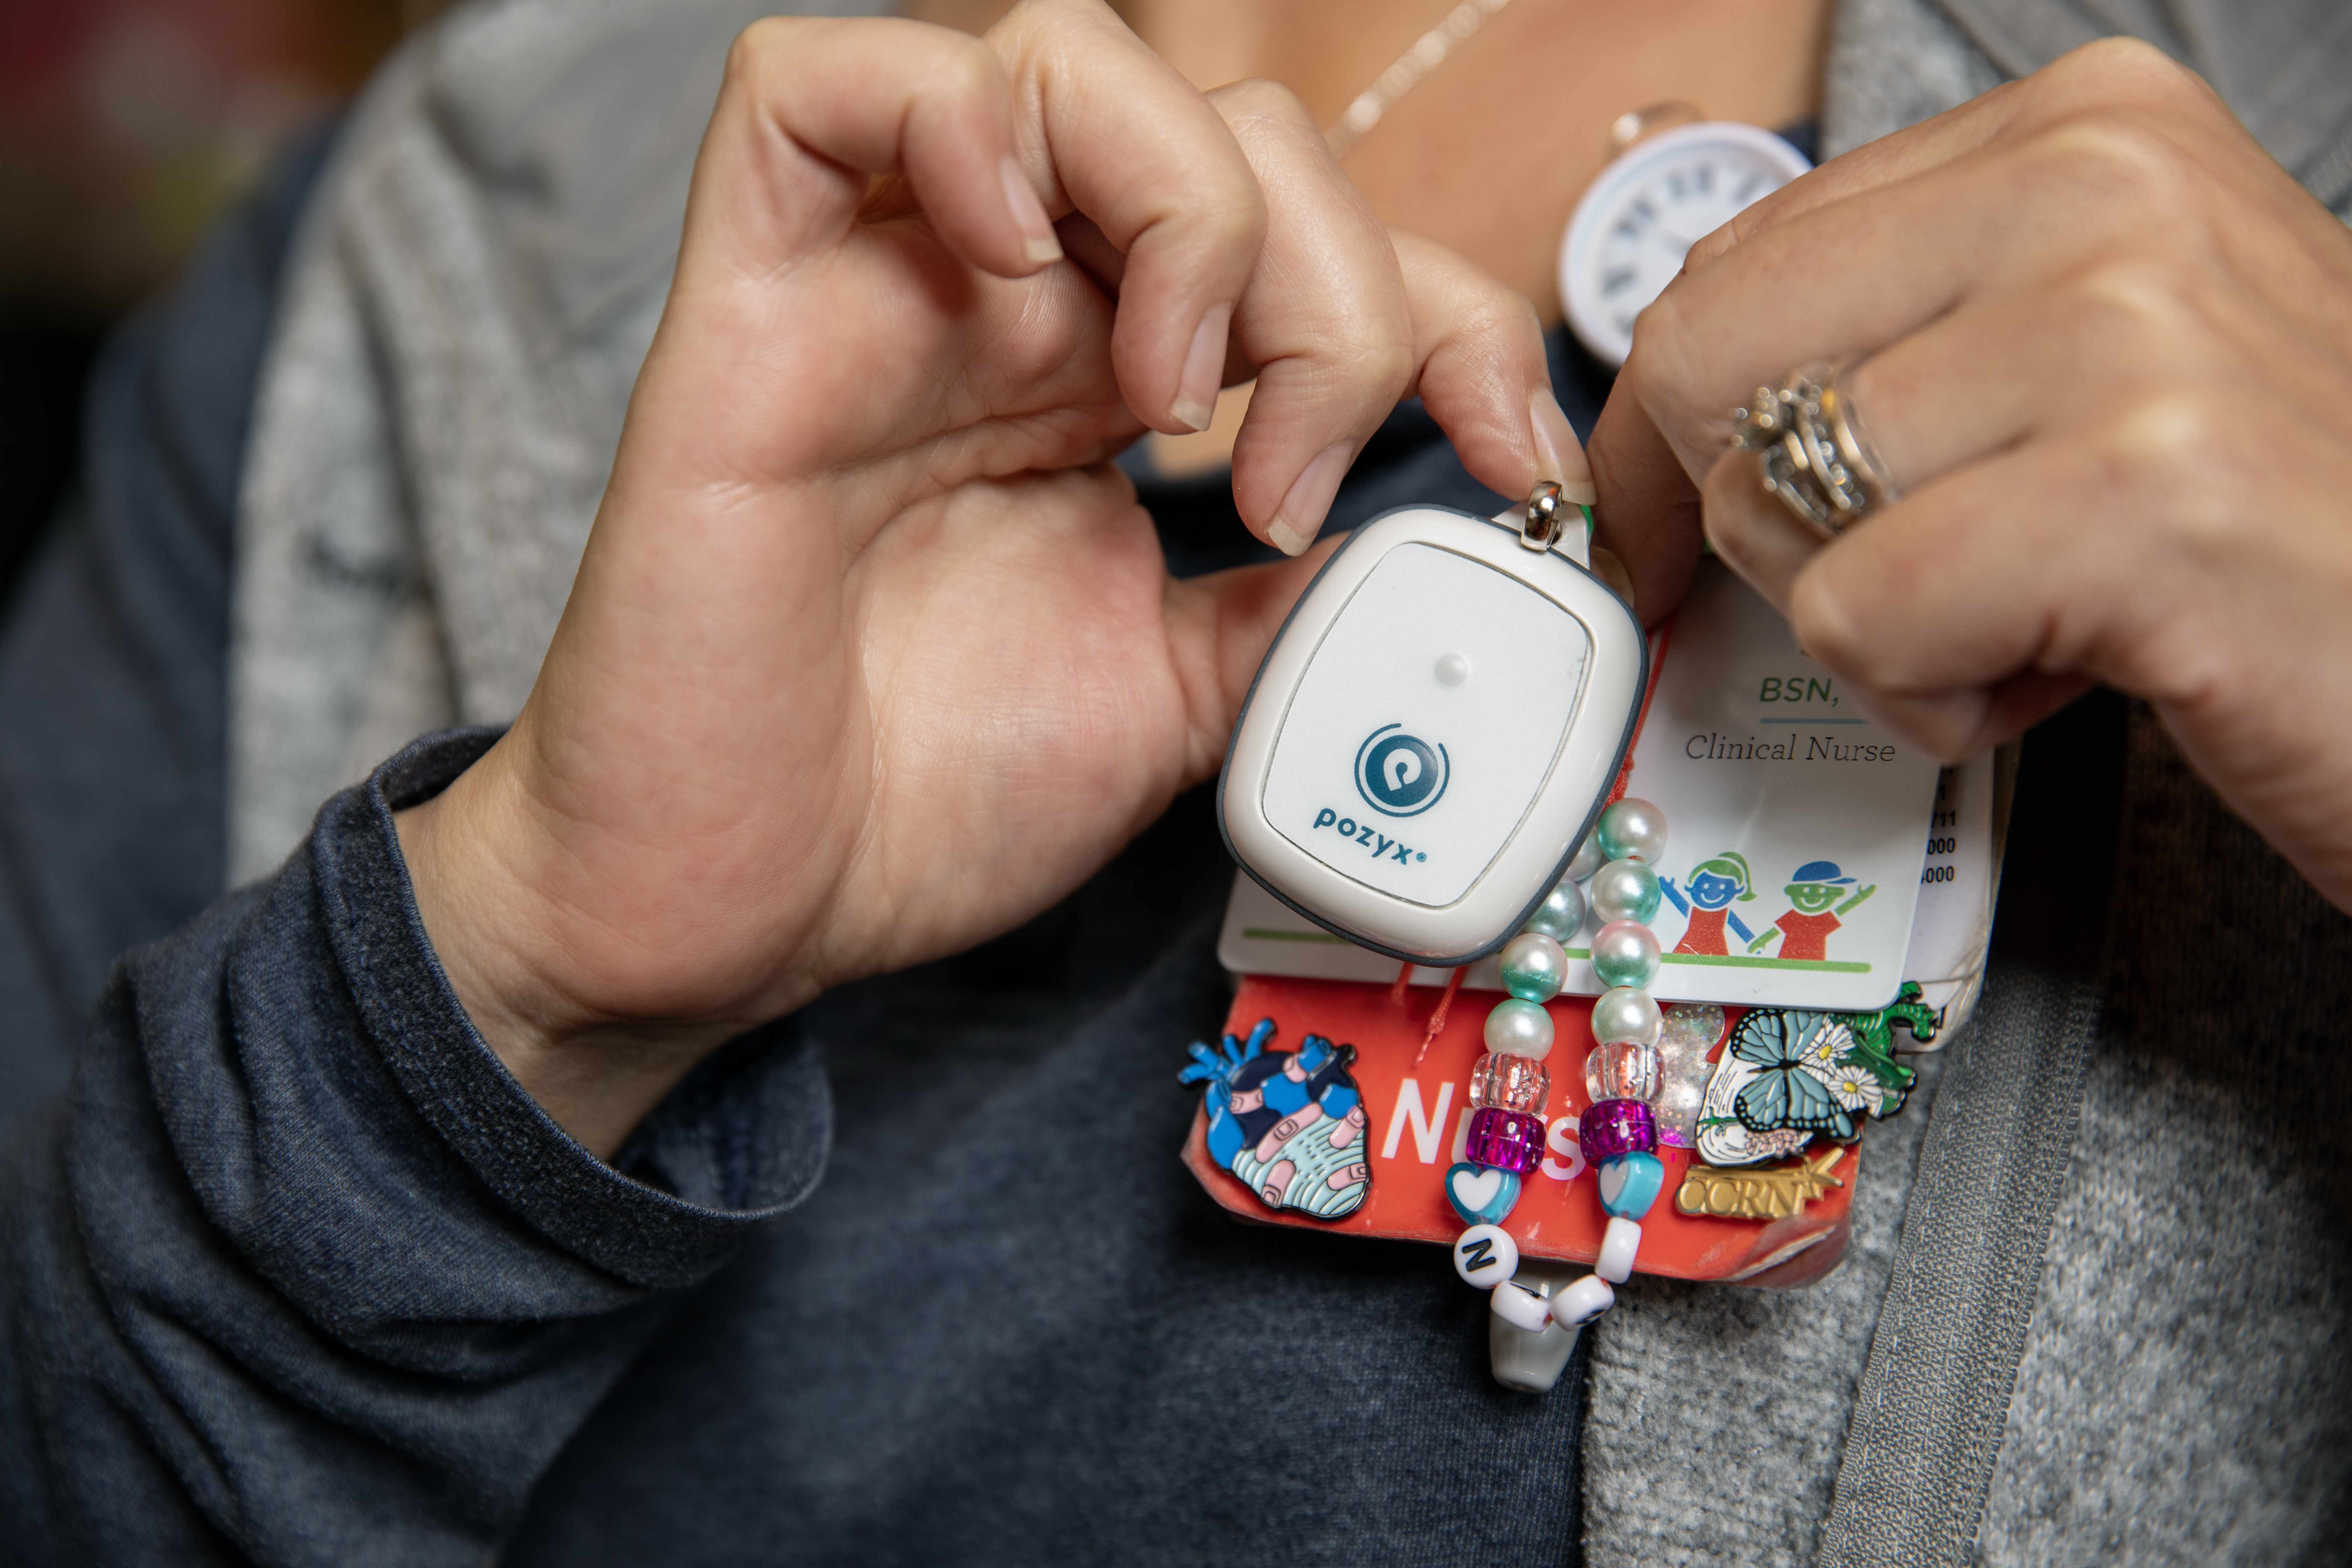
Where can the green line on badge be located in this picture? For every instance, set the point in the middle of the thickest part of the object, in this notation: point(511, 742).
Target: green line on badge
point(1720, 961)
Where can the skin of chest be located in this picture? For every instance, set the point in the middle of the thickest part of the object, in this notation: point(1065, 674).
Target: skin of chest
point(1489, 152)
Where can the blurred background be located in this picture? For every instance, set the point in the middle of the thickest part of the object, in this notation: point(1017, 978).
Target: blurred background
point(125, 127)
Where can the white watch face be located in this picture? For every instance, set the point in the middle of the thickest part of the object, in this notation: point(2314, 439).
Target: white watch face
point(1626, 240)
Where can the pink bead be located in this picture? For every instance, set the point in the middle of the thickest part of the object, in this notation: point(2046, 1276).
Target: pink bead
point(1509, 1082)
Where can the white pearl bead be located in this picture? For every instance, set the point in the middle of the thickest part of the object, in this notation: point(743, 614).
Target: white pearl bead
point(1589, 858)
point(1626, 953)
point(1561, 914)
point(1624, 890)
point(1633, 830)
point(1625, 1014)
point(1517, 1028)
point(1618, 1245)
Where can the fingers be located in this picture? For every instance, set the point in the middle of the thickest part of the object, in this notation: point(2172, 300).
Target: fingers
point(2117, 71)
point(1483, 375)
point(2020, 186)
point(1646, 511)
point(1325, 321)
point(1962, 615)
point(1219, 628)
point(1110, 131)
point(1750, 530)
point(1983, 380)
point(1342, 318)
point(810, 108)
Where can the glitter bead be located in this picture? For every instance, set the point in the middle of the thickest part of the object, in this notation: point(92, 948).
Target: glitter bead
point(1630, 1183)
point(1624, 890)
point(1587, 860)
point(1625, 1014)
point(1614, 1127)
point(1509, 1082)
point(1561, 914)
point(1534, 965)
point(1624, 953)
point(1633, 830)
point(1620, 1069)
point(1690, 1032)
point(1519, 1028)
point(1618, 1245)
point(1506, 1140)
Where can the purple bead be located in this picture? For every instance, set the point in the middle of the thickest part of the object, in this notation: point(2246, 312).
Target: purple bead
point(1614, 1127)
point(1508, 1140)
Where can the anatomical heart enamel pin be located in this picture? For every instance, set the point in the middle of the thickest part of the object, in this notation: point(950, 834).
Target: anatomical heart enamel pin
point(1290, 1124)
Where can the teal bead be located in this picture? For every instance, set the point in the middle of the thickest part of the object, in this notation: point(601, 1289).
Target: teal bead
point(1626, 953)
point(1480, 1193)
point(1630, 1184)
point(1633, 830)
point(1624, 890)
point(1561, 914)
point(1534, 967)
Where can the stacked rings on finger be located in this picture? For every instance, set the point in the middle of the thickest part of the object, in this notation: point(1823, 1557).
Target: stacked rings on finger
point(1812, 452)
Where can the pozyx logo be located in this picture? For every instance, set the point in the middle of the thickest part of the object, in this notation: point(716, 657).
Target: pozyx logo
point(1399, 775)
point(1381, 846)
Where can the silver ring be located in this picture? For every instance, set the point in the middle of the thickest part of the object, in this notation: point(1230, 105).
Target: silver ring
point(1810, 451)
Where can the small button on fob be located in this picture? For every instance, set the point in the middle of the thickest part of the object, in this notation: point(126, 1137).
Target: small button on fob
point(1431, 735)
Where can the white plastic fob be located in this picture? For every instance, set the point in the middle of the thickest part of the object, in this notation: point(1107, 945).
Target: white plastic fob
point(1431, 735)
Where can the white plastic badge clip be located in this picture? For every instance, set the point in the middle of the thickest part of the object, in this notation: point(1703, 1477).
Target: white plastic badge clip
point(1435, 729)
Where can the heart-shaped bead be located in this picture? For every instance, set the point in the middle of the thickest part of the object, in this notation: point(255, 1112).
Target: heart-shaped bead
point(1630, 1183)
point(1482, 1194)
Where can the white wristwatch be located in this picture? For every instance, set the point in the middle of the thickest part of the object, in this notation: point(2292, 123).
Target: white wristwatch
point(1625, 241)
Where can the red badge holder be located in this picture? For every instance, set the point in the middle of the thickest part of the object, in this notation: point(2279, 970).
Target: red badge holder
point(1780, 1225)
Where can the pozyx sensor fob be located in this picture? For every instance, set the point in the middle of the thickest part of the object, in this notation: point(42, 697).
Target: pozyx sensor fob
point(1433, 732)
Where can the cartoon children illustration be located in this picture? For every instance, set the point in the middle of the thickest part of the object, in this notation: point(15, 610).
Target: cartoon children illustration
point(1714, 884)
point(1806, 928)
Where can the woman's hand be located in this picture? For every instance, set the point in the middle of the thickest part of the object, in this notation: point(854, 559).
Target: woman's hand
point(2109, 365)
point(871, 655)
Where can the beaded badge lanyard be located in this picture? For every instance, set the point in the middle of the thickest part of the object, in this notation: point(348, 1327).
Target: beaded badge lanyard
point(1509, 1086)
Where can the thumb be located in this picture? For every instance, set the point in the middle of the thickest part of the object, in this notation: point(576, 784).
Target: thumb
point(1219, 628)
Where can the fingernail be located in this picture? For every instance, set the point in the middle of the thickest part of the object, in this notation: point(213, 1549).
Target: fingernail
point(1038, 241)
point(1204, 371)
point(1300, 519)
point(1287, 539)
point(1559, 456)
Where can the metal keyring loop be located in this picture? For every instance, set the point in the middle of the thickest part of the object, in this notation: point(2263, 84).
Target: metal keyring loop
point(1812, 452)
